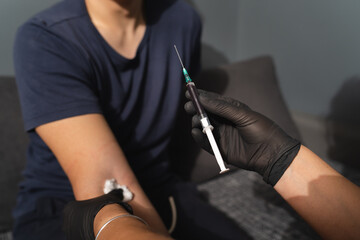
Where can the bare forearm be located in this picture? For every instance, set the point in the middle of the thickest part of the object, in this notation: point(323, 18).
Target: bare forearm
point(124, 227)
point(143, 208)
point(323, 197)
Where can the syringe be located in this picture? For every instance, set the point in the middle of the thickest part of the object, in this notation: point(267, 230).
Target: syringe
point(205, 123)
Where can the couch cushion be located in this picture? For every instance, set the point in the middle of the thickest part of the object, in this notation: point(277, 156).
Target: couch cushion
point(253, 82)
point(13, 142)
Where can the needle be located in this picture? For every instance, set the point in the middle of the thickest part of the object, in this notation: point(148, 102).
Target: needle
point(179, 56)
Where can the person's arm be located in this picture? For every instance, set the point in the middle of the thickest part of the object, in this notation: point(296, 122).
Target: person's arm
point(323, 197)
point(89, 154)
point(54, 79)
point(122, 228)
point(249, 140)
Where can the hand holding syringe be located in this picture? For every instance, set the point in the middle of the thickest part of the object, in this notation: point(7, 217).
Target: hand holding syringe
point(205, 123)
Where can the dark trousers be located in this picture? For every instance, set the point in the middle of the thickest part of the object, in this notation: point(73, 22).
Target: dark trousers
point(195, 219)
point(45, 222)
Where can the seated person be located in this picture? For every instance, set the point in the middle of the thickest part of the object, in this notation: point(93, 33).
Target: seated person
point(100, 86)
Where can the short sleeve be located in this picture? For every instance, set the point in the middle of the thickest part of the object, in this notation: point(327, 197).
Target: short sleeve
point(53, 77)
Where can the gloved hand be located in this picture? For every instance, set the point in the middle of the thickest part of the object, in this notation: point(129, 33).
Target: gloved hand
point(79, 215)
point(245, 138)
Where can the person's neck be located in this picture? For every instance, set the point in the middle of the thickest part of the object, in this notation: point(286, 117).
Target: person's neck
point(114, 14)
point(120, 22)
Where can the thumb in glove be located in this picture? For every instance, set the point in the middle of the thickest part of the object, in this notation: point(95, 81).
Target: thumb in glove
point(79, 216)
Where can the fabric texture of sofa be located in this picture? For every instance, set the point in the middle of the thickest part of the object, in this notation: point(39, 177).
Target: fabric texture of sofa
point(13, 142)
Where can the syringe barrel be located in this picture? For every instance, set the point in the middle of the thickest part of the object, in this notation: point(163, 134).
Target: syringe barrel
point(194, 94)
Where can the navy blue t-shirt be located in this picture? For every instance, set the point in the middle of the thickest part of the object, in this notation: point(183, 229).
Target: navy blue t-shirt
point(65, 68)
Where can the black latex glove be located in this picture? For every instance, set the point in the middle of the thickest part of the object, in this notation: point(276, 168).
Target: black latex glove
point(246, 138)
point(79, 215)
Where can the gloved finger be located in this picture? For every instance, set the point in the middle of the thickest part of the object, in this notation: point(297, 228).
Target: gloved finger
point(187, 95)
point(195, 122)
point(201, 139)
point(212, 95)
point(225, 107)
point(189, 108)
point(209, 96)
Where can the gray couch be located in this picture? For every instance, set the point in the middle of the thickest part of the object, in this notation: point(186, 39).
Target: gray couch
point(13, 141)
point(240, 194)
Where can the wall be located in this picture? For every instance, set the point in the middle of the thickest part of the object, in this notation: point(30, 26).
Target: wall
point(12, 14)
point(315, 44)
